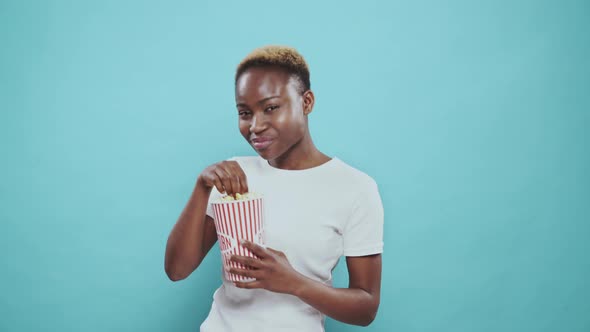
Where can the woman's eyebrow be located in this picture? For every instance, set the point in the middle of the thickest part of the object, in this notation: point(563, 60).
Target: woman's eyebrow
point(259, 102)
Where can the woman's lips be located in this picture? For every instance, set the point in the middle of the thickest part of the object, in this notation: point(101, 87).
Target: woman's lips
point(261, 144)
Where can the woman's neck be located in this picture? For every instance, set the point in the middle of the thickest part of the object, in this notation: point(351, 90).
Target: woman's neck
point(301, 155)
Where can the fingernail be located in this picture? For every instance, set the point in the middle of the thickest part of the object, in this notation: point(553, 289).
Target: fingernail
point(242, 241)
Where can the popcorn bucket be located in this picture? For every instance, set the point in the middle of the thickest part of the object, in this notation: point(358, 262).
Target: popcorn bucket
point(236, 220)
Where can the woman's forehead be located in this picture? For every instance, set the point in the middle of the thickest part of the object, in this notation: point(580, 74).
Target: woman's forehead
point(258, 83)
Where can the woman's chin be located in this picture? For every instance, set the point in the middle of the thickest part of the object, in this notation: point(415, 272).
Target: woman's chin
point(266, 154)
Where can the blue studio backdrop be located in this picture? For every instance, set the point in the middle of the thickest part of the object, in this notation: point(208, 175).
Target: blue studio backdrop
point(472, 116)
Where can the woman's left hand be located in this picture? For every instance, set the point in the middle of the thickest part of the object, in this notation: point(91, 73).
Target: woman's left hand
point(272, 271)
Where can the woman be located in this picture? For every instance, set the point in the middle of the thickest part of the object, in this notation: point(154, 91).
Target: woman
point(318, 209)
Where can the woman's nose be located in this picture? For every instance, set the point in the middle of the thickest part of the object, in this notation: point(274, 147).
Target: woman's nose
point(258, 124)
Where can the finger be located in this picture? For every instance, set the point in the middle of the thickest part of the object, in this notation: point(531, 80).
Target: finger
point(241, 176)
point(218, 184)
point(223, 177)
point(231, 178)
point(276, 252)
point(219, 180)
point(245, 273)
point(237, 181)
point(244, 181)
point(234, 176)
point(248, 285)
point(255, 249)
point(248, 261)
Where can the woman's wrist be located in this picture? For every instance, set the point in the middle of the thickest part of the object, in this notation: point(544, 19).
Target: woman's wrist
point(301, 284)
point(200, 185)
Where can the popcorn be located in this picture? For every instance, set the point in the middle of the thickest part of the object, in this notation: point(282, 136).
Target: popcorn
point(240, 197)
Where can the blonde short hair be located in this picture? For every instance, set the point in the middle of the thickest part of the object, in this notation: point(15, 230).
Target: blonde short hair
point(284, 57)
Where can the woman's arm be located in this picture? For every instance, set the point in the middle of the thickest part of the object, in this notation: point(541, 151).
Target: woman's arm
point(356, 304)
point(194, 233)
point(191, 238)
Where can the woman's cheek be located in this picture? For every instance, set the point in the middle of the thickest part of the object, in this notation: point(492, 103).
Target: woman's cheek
point(244, 128)
point(281, 120)
point(287, 118)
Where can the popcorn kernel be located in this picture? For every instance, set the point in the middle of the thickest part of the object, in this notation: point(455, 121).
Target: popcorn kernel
point(240, 197)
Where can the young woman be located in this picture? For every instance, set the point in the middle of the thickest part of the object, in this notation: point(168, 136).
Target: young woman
point(318, 209)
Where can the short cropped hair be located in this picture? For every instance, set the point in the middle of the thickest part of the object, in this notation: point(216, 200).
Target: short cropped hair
point(284, 57)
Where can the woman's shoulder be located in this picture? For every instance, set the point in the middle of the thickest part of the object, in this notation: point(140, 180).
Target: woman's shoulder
point(352, 174)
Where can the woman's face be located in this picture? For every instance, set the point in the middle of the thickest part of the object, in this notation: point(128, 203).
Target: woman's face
point(272, 113)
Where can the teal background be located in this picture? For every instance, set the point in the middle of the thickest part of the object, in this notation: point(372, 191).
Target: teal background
point(473, 117)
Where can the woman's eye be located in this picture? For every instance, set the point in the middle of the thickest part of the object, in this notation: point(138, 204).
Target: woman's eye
point(243, 113)
point(271, 108)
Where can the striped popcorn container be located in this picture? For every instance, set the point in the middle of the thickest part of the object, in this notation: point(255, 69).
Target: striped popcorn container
point(236, 220)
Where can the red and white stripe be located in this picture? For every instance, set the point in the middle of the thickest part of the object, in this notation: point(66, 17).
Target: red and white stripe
point(238, 220)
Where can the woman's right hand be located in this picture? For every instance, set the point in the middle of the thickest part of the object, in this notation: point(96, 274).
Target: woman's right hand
point(226, 176)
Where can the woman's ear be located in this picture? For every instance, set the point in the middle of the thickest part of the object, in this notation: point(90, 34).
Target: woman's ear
point(308, 101)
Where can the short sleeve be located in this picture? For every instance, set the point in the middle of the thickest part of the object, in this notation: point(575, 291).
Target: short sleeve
point(363, 232)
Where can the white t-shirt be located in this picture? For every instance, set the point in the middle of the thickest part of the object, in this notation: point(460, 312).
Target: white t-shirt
point(314, 216)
